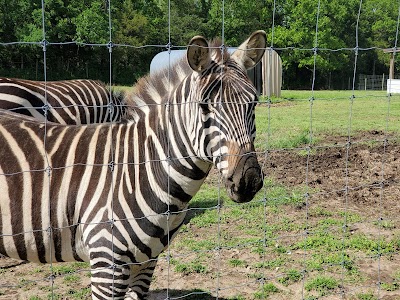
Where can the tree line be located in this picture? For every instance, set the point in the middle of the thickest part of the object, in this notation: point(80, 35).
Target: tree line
point(78, 40)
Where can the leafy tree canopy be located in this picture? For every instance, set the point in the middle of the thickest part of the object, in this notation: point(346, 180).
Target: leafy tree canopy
point(136, 24)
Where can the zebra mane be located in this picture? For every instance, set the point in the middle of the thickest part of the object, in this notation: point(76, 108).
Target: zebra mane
point(219, 52)
point(154, 89)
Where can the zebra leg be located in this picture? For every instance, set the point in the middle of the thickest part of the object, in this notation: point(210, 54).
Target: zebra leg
point(109, 281)
point(140, 280)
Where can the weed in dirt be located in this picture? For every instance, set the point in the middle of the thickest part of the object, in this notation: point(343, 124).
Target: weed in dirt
point(195, 244)
point(350, 217)
point(270, 263)
point(320, 240)
point(319, 261)
point(320, 212)
point(290, 276)
point(266, 290)
point(367, 296)
point(54, 296)
point(376, 246)
point(62, 269)
point(237, 297)
point(190, 267)
point(385, 224)
point(26, 284)
point(234, 262)
point(80, 294)
point(392, 286)
point(397, 276)
point(321, 284)
point(71, 279)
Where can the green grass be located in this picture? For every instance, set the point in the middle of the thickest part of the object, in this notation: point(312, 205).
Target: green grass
point(191, 267)
point(287, 122)
point(291, 276)
point(234, 262)
point(367, 296)
point(266, 290)
point(321, 284)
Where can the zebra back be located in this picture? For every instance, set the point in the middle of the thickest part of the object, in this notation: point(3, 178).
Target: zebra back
point(80, 101)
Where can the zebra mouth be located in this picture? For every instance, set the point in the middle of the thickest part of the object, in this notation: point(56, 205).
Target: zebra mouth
point(243, 188)
point(239, 197)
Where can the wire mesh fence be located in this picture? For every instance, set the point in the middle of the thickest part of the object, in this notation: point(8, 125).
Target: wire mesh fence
point(324, 226)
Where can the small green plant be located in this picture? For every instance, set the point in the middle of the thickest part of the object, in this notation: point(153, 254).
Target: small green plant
point(53, 296)
point(291, 276)
point(320, 240)
point(266, 290)
point(37, 269)
point(270, 263)
point(397, 276)
point(234, 262)
point(351, 217)
point(367, 296)
point(368, 245)
point(71, 279)
point(80, 294)
point(321, 284)
point(26, 284)
point(390, 287)
point(188, 268)
point(320, 212)
point(63, 269)
point(385, 224)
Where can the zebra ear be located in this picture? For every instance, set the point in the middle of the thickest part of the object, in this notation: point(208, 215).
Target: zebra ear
point(252, 50)
point(198, 53)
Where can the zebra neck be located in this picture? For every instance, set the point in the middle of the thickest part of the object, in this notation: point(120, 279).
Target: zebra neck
point(166, 151)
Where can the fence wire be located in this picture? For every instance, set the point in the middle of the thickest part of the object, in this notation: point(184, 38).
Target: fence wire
point(268, 275)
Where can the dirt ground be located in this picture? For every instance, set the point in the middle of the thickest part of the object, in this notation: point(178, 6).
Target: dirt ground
point(362, 176)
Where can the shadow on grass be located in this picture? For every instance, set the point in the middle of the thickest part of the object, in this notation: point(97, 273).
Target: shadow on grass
point(198, 207)
point(195, 294)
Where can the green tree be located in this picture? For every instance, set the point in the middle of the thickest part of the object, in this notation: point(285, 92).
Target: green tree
point(241, 17)
point(378, 25)
point(298, 30)
point(91, 23)
point(136, 24)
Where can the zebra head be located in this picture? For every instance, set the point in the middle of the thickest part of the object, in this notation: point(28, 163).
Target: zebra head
point(224, 130)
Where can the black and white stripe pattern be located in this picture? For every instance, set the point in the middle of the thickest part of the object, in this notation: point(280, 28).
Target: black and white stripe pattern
point(116, 194)
point(80, 101)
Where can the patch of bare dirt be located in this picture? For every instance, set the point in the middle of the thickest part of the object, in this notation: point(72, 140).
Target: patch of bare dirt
point(363, 175)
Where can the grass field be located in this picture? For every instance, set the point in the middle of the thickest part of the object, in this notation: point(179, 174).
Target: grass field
point(288, 121)
point(325, 225)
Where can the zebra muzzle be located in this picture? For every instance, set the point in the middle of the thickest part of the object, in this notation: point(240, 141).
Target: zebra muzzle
point(245, 180)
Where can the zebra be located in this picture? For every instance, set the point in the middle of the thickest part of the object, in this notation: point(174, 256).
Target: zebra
point(116, 194)
point(80, 101)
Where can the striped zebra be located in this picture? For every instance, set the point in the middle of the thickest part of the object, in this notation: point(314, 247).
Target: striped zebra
point(115, 195)
point(68, 102)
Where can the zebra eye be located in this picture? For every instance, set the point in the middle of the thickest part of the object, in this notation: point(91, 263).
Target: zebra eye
point(204, 108)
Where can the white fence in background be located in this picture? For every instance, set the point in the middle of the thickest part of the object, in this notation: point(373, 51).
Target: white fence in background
point(393, 86)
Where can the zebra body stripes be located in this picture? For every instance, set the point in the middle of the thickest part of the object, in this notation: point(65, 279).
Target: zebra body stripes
point(116, 194)
point(80, 101)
